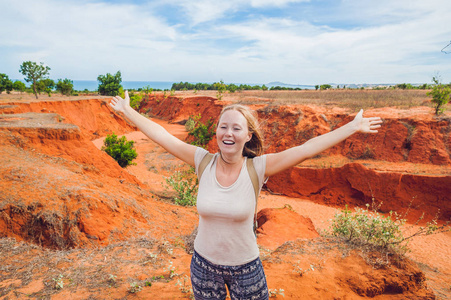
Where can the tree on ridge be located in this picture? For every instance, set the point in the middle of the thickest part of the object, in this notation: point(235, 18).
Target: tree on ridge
point(33, 73)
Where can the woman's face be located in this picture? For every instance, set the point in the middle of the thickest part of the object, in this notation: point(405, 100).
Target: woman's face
point(232, 132)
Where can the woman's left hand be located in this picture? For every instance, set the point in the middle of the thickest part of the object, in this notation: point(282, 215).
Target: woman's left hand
point(366, 125)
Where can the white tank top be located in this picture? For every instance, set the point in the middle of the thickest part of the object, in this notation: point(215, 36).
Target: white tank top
point(225, 234)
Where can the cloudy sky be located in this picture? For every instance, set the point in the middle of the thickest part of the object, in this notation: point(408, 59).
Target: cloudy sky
point(240, 41)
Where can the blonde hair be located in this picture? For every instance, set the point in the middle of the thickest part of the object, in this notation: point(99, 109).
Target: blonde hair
point(254, 147)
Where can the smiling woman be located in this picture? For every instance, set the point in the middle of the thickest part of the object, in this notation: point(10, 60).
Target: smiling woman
point(246, 122)
point(225, 249)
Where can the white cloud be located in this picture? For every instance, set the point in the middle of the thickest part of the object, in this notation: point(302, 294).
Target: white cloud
point(271, 3)
point(84, 34)
point(360, 41)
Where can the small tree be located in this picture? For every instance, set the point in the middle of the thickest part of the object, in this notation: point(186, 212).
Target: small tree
point(19, 86)
point(221, 87)
point(5, 83)
point(45, 85)
point(440, 95)
point(325, 87)
point(34, 73)
point(110, 84)
point(65, 87)
point(120, 149)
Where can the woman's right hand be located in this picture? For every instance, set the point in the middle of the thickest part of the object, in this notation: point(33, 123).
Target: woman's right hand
point(119, 104)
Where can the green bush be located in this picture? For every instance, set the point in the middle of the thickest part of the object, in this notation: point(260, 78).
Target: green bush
point(45, 85)
point(5, 83)
point(367, 227)
point(135, 99)
point(110, 84)
point(120, 149)
point(221, 87)
point(185, 184)
point(65, 86)
point(440, 95)
point(202, 132)
point(19, 86)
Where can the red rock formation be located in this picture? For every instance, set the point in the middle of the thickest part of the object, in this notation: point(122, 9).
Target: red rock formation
point(60, 191)
point(279, 225)
point(415, 139)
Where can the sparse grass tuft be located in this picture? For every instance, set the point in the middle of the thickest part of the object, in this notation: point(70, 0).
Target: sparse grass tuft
point(135, 287)
point(274, 292)
point(367, 227)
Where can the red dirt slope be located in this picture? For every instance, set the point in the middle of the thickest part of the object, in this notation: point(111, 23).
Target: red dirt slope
point(60, 191)
point(407, 165)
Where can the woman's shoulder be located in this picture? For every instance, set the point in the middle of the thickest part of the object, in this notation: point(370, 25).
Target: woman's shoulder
point(259, 163)
point(199, 156)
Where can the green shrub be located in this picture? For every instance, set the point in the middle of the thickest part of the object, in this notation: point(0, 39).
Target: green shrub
point(45, 85)
point(367, 227)
point(440, 95)
point(135, 99)
point(5, 83)
point(120, 149)
point(202, 133)
point(185, 184)
point(19, 86)
point(110, 84)
point(65, 86)
point(221, 87)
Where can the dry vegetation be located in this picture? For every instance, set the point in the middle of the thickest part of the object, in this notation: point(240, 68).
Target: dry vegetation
point(345, 98)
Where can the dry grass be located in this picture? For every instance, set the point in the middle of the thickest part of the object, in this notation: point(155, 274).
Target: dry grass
point(352, 99)
point(86, 269)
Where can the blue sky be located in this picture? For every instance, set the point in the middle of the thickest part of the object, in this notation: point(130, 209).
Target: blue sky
point(241, 41)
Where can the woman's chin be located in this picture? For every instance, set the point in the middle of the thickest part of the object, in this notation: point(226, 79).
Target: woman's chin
point(225, 150)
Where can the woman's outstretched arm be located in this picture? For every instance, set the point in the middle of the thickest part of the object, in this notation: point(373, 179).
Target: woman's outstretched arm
point(155, 131)
point(278, 162)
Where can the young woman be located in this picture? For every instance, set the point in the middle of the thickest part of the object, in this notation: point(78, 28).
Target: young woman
point(225, 249)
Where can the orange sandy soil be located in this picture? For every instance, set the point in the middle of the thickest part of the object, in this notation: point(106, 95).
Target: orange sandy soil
point(74, 225)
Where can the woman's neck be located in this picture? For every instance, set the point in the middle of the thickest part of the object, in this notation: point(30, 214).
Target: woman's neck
point(230, 161)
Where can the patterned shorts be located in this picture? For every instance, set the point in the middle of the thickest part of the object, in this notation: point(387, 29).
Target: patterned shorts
point(244, 282)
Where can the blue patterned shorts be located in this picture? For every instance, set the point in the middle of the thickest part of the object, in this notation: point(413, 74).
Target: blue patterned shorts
point(244, 282)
